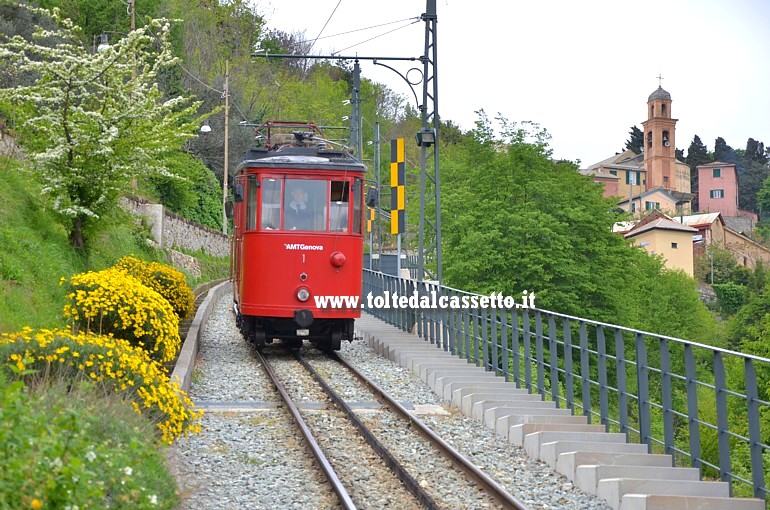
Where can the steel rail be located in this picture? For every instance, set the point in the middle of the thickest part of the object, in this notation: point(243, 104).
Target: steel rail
point(410, 484)
point(326, 466)
point(477, 476)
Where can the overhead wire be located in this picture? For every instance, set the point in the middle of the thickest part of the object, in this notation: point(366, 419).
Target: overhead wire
point(325, 24)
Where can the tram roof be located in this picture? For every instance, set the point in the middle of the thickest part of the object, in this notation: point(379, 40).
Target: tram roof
point(301, 158)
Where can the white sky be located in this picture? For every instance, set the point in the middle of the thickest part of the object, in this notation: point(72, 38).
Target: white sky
point(582, 70)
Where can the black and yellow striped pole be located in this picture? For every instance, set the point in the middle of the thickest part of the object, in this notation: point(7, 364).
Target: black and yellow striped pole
point(370, 219)
point(397, 195)
point(370, 230)
point(397, 178)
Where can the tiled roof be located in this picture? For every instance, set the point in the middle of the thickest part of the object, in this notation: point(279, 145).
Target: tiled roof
point(698, 219)
point(663, 224)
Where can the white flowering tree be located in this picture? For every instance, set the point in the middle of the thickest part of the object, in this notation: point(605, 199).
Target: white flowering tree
point(93, 121)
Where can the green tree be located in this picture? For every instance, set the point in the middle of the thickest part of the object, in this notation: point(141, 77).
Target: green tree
point(636, 140)
point(755, 172)
point(723, 152)
point(697, 154)
point(730, 297)
point(717, 260)
point(93, 122)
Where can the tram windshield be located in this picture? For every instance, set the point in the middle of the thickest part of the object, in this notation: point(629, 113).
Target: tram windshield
point(314, 205)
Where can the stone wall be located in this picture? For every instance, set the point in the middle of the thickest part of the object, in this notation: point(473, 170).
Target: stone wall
point(172, 231)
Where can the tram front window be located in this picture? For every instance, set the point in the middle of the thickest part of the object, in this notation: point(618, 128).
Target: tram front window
point(338, 206)
point(271, 203)
point(304, 204)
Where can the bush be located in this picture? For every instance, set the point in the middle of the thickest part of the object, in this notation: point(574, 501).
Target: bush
point(114, 363)
point(65, 445)
point(165, 280)
point(730, 297)
point(114, 302)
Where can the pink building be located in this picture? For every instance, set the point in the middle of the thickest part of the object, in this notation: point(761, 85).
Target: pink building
point(718, 188)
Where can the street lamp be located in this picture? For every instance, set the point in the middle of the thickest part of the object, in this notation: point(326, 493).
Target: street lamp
point(103, 44)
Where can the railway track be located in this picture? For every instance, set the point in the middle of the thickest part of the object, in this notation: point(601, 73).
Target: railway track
point(423, 474)
point(251, 455)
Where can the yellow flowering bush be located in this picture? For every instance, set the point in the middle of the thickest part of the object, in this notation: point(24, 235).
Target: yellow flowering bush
point(167, 281)
point(114, 363)
point(114, 302)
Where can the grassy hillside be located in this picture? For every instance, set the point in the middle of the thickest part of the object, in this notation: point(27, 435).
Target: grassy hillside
point(35, 252)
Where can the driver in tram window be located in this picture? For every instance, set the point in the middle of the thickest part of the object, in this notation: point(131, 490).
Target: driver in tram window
point(298, 216)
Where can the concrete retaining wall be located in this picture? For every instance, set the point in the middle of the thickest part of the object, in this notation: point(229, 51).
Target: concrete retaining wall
point(172, 231)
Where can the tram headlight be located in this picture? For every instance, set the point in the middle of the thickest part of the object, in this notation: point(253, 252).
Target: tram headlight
point(303, 294)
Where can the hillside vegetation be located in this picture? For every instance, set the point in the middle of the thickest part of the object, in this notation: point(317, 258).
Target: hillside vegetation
point(36, 252)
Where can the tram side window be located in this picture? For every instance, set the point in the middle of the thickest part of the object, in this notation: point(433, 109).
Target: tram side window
point(271, 203)
point(305, 204)
point(358, 199)
point(251, 202)
point(339, 203)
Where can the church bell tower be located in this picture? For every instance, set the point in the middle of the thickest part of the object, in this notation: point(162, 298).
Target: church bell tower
point(659, 138)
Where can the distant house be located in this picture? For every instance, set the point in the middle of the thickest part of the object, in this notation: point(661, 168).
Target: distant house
point(622, 174)
point(712, 229)
point(659, 234)
point(718, 188)
point(660, 199)
point(718, 192)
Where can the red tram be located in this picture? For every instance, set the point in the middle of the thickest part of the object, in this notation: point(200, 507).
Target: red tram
point(298, 215)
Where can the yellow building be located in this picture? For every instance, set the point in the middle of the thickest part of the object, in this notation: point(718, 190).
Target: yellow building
point(660, 235)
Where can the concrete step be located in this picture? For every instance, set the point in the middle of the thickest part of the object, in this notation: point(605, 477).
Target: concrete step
point(495, 385)
point(667, 502)
point(549, 452)
point(533, 441)
point(466, 400)
point(450, 362)
point(568, 462)
point(494, 389)
point(509, 418)
point(587, 476)
point(524, 406)
point(453, 370)
point(410, 357)
point(612, 490)
point(517, 433)
point(450, 383)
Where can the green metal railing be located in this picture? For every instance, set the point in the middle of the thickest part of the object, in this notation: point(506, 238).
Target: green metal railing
point(702, 405)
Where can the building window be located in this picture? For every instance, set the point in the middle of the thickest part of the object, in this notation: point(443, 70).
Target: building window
point(717, 193)
point(665, 180)
point(652, 111)
point(674, 246)
point(717, 172)
point(633, 206)
point(649, 139)
point(666, 140)
point(663, 110)
point(633, 177)
point(614, 172)
point(651, 206)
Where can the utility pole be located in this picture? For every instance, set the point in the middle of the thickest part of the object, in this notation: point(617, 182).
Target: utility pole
point(227, 139)
point(430, 183)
